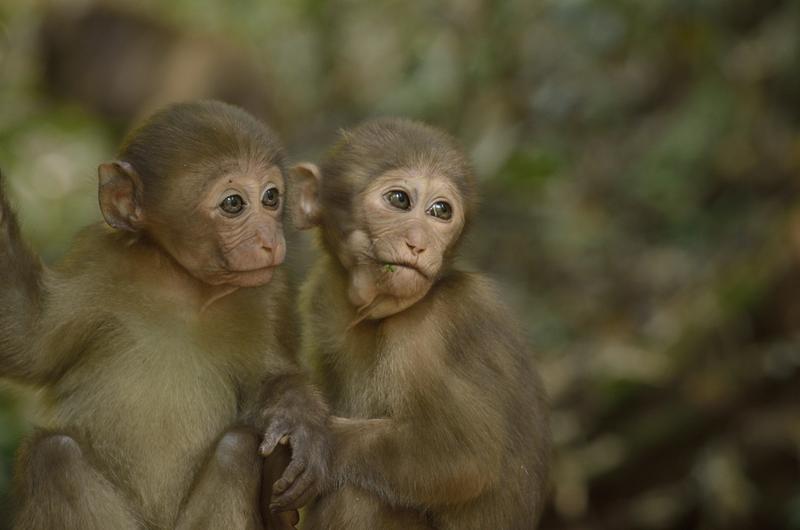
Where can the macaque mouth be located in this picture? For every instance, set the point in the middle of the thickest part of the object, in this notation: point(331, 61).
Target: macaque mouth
point(390, 267)
point(248, 277)
point(256, 269)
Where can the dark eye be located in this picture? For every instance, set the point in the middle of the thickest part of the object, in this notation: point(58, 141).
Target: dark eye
point(441, 209)
point(271, 198)
point(398, 199)
point(232, 204)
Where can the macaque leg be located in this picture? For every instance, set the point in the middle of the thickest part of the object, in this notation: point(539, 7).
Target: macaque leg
point(228, 491)
point(349, 507)
point(58, 488)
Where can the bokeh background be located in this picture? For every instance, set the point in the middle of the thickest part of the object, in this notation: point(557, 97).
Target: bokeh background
point(640, 167)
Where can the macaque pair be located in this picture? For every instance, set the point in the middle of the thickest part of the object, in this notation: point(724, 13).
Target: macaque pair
point(167, 351)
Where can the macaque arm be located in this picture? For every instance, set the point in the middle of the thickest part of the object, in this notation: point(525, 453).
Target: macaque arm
point(41, 332)
point(21, 299)
point(414, 466)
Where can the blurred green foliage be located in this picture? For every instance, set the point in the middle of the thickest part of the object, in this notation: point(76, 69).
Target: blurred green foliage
point(639, 162)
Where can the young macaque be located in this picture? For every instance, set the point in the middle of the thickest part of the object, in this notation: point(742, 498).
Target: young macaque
point(163, 343)
point(439, 417)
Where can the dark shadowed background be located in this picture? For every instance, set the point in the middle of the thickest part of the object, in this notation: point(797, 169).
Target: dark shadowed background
point(640, 167)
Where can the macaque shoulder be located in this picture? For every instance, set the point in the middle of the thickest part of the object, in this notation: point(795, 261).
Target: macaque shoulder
point(83, 279)
point(100, 252)
point(323, 297)
point(472, 318)
point(469, 299)
point(96, 279)
point(471, 288)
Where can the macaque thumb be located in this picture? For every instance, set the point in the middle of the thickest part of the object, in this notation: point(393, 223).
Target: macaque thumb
point(269, 444)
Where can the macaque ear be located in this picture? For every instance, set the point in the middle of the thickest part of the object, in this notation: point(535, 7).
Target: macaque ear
point(119, 192)
point(305, 205)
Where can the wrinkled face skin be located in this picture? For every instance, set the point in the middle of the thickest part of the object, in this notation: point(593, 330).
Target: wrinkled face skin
point(407, 219)
point(232, 233)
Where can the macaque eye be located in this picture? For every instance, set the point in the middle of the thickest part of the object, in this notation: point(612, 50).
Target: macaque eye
point(232, 204)
point(441, 209)
point(271, 198)
point(399, 199)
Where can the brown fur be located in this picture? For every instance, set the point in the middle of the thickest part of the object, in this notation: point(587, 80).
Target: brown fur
point(442, 421)
point(154, 399)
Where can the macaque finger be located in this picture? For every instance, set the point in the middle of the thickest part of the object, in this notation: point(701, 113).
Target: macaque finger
point(267, 446)
point(306, 497)
point(276, 432)
point(290, 474)
point(292, 498)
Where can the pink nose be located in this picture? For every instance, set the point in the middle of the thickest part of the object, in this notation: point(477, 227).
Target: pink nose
point(415, 240)
point(267, 240)
point(273, 247)
point(415, 249)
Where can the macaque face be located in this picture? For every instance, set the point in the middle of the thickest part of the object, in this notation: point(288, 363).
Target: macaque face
point(408, 219)
point(204, 182)
point(234, 234)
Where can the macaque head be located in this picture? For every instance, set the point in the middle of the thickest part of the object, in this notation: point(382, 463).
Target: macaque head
point(392, 199)
point(205, 182)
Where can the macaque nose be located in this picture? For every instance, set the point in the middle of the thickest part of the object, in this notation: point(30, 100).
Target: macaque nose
point(416, 249)
point(272, 245)
point(267, 242)
point(415, 240)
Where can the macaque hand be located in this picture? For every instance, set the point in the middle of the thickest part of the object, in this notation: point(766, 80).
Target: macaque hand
point(303, 478)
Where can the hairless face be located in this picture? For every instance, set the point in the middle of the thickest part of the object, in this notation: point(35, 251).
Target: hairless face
point(238, 235)
point(209, 191)
point(392, 216)
point(410, 218)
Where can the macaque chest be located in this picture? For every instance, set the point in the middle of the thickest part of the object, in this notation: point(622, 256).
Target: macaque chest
point(374, 387)
point(156, 409)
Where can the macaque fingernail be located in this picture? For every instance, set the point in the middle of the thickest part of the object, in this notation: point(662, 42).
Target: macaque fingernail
point(284, 440)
